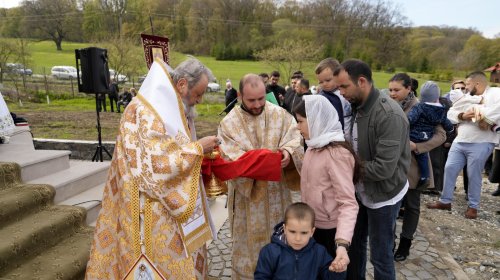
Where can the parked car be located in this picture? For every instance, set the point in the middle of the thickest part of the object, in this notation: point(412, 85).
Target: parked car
point(117, 76)
point(213, 87)
point(64, 72)
point(18, 68)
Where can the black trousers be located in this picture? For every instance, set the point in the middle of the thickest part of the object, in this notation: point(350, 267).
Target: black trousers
point(101, 102)
point(495, 168)
point(438, 156)
point(412, 213)
point(489, 164)
point(326, 237)
point(113, 101)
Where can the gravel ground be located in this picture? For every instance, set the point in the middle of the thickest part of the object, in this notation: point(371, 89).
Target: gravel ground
point(474, 244)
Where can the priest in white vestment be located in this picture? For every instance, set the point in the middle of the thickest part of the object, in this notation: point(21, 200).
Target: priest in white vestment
point(154, 202)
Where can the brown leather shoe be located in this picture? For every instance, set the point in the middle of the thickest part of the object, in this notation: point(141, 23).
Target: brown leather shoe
point(471, 213)
point(439, 205)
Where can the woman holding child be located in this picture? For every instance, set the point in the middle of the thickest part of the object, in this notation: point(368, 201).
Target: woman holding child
point(400, 89)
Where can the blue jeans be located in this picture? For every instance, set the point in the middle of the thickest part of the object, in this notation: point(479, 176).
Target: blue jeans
point(475, 156)
point(380, 225)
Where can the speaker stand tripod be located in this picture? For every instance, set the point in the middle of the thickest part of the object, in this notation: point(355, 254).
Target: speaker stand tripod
point(98, 152)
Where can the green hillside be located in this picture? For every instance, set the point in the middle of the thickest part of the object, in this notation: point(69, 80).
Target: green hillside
point(44, 56)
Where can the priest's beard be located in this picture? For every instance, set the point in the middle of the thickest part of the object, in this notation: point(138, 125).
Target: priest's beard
point(253, 112)
point(190, 112)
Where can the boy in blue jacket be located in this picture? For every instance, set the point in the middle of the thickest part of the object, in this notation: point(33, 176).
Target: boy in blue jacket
point(293, 253)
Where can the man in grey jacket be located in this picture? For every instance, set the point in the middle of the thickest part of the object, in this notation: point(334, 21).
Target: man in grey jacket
point(380, 137)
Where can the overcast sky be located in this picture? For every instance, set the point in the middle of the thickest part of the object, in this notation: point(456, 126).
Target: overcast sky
point(482, 15)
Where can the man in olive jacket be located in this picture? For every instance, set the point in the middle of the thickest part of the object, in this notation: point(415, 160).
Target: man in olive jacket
point(380, 137)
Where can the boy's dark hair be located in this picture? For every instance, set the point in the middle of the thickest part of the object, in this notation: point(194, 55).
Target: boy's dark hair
point(355, 68)
point(275, 74)
point(300, 211)
point(327, 63)
point(264, 75)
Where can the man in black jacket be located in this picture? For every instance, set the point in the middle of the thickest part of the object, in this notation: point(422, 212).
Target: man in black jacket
point(113, 94)
point(380, 137)
point(294, 98)
point(230, 95)
point(279, 92)
point(292, 89)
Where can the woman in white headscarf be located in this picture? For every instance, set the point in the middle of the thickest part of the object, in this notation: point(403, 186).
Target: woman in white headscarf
point(329, 171)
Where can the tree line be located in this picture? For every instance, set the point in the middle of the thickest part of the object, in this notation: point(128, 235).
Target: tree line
point(374, 31)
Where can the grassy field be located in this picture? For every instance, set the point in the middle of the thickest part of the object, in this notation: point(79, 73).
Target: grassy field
point(44, 56)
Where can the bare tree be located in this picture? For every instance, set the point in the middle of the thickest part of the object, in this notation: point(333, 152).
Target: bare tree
point(7, 51)
point(124, 56)
point(287, 57)
point(116, 9)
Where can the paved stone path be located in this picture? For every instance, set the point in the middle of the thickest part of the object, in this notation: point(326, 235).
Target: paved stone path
point(219, 254)
point(425, 261)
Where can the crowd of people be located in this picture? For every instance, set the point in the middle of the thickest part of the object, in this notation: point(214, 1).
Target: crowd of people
point(358, 158)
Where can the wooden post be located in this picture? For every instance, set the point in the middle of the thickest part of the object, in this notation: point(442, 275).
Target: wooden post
point(72, 88)
point(45, 82)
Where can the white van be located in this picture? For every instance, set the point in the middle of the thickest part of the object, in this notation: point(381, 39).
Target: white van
point(117, 76)
point(64, 72)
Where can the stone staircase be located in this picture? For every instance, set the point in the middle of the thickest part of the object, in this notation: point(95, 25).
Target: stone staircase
point(43, 236)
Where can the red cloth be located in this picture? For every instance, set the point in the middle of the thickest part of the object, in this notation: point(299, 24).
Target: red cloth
point(259, 164)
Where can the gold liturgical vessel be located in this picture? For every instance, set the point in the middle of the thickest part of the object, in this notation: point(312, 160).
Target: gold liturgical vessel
point(215, 186)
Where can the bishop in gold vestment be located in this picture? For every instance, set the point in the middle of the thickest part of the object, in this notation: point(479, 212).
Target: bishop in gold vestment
point(153, 201)
point(255, 207)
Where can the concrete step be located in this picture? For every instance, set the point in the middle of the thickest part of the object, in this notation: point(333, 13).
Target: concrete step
point(37, 163)
point(20, 140)
point(80, 176)
point(91, 200)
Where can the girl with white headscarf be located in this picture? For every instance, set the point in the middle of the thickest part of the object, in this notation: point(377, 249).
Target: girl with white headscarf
point(329, 171)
